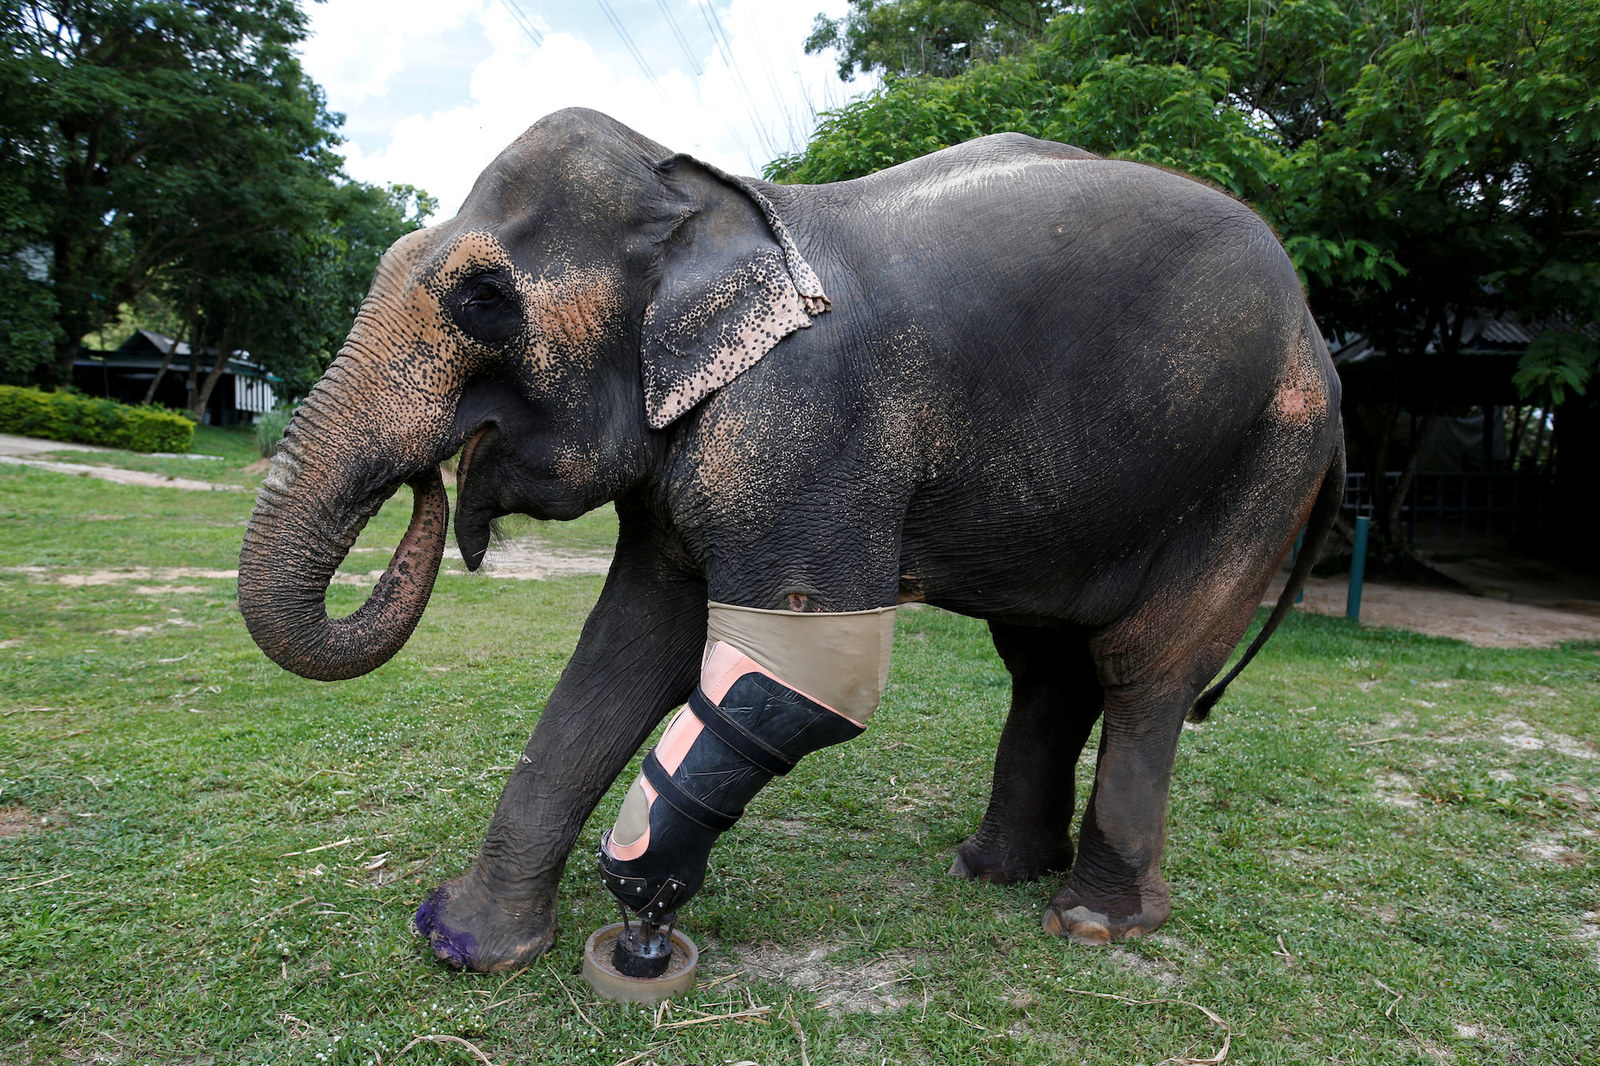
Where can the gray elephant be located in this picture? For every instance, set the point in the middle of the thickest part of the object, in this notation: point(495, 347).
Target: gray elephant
point(1081, 399)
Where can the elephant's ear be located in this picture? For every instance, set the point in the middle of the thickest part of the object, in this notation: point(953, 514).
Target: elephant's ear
point(732, 286)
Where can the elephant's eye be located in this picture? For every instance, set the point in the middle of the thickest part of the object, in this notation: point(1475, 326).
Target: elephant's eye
point(485, 294)
point(486, 310)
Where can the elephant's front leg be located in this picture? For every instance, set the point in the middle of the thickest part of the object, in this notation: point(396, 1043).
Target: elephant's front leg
point(776, 685)
point(799, 634)
point(637, 659)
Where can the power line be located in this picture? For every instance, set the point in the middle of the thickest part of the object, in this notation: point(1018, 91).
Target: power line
point(522, 20)
point(638, 56)
point(725, 46)
point(766, 66)
point(683, 42)
point(707, 13)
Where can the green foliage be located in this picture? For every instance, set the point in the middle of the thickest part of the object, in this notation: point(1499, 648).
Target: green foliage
point(1424, 161)
point(269, 429)
point(913, 116)
point(28, 331)
point(1555, 362)
point(173, 146)
point(67, 416)
point(938, 37)
point(291, 295)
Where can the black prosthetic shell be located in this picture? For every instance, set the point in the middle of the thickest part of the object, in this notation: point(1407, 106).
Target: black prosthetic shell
point(760, 726)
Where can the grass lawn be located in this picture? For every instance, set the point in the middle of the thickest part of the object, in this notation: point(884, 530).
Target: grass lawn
point(1383, 847)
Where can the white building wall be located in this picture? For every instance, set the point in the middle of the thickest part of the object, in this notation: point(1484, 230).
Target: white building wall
point(253, 395)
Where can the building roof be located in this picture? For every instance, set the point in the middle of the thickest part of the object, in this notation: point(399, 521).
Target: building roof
point(1483, 334)
point(146, 348)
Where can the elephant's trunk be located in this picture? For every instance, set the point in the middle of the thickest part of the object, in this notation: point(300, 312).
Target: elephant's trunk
point(305, 522)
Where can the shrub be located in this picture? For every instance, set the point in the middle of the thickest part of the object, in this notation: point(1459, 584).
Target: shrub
point(269, 429)
point(90, 420)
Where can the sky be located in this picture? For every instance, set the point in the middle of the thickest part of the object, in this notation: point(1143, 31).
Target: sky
point(432, 92)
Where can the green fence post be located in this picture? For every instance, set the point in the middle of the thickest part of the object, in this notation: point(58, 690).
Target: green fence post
point(1299, 542)
point(1358, 569)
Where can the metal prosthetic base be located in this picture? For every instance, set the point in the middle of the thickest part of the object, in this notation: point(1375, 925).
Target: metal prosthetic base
point(642, 950)
point(683, 966)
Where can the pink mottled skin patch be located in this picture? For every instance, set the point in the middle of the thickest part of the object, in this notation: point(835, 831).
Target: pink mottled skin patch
point(1302, 396)
point(1299, 405)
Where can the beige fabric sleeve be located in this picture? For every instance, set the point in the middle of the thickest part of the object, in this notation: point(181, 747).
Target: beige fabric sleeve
point(840, 659)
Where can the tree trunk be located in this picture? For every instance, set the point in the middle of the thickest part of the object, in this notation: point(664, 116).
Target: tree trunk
point(198, 405)
point(1514, 445)
point(58, 372)
point(1538, 441)
point(1396, 502)
point(185, 325)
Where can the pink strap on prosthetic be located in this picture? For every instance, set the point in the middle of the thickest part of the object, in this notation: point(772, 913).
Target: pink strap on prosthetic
point(723, 665)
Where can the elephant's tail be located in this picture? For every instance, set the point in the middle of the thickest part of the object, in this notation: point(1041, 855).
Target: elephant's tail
point(1329, 499)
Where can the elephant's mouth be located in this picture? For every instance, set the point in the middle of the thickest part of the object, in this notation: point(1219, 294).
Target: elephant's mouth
point(472, 522)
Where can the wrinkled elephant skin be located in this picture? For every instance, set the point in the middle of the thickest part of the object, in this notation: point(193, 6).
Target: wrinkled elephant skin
point(1078, 398)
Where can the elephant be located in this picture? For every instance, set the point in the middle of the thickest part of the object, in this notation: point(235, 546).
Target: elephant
point(1079, 398)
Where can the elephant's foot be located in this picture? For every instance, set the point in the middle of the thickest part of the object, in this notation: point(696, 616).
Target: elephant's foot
point(1001, 865)
point(1086, 920)
point(471, 928)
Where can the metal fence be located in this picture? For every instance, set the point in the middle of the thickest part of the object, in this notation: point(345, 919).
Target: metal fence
point(1465, 505)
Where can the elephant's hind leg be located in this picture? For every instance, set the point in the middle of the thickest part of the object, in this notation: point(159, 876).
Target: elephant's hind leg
point(1055, 699)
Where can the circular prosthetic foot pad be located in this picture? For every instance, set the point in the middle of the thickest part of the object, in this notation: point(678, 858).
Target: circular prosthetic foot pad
point(609, 984)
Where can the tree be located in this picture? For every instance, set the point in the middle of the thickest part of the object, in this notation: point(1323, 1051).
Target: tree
point(289, 292)
point(1425, 161)
point(27, 308)
point(141, 133)
point(939, 37)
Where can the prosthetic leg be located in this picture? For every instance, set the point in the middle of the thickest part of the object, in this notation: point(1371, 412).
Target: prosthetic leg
point(774, 687)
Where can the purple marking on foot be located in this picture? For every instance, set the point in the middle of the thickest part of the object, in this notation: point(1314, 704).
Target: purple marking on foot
point(453, 946)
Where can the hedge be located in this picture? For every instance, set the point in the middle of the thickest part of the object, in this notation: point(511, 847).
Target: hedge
point(66, 416)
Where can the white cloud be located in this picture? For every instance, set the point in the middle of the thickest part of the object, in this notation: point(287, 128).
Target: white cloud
point(734, 117)
point(358, 47)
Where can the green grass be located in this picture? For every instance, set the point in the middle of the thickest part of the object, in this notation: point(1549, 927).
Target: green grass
point(1415, 818)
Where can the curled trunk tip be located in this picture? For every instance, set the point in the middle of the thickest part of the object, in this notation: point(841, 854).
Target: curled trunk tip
point(283, 583)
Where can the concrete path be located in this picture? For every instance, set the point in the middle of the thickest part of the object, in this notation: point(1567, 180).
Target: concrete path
point(10, 445)
point(124, 477)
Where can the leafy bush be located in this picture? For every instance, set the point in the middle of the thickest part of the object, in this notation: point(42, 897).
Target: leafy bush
point(269, 429)
point(91, 420)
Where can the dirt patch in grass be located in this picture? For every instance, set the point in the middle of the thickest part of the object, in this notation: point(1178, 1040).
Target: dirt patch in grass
point(1397, 790)
point(528, 560)
point(1588, 932)
point(1156, 971)
point(124, 477)
point(1480, 620)
point(873, 986)
point(1519, 734)
point(132, 573)
point(517, 561)
point(1554, 849)
point(14, 821)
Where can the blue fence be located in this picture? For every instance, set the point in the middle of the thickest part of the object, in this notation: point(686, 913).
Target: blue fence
point(1465, 505)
